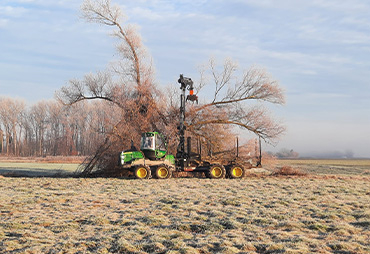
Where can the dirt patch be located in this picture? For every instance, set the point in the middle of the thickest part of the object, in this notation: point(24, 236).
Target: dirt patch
point(288, 171)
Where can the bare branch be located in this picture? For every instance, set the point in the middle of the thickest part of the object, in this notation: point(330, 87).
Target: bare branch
point(231, 93)
point(102, 12)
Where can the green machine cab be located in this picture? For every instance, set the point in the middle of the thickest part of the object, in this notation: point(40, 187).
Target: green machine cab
point(151, 159)
point(153, 145)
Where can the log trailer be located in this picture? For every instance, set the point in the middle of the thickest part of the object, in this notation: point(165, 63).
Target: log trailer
point(152, 158)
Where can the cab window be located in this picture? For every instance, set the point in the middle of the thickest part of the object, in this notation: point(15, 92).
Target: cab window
point(147, 143)
point(160, 143)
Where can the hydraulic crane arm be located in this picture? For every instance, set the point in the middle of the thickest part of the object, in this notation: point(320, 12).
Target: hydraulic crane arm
point(186, 83)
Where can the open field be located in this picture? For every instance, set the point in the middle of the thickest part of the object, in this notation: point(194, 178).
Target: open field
point(39, 166)
point(60, 166)
point(37, 169)
point(260, 214)
point(327, 167)
point(254, 215)
point(46, 159)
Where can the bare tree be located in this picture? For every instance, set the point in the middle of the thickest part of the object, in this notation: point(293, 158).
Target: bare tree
point(1, 139)
point(231, 102)
point(127, 85)
point(47, 128)
point(55, 129)
point(11, 111)
point(39, 119)
point(128, 88)
point(134, 73)
point(228, 99)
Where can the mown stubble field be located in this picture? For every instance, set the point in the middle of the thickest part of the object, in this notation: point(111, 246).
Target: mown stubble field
point(330, 167)
point(259, 214)
point(319, 212)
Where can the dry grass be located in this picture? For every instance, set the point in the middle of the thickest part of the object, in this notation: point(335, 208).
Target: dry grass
point(47, 159)
point(10, 168)
point(253, 215)
point(288, 171)
point(334, 167)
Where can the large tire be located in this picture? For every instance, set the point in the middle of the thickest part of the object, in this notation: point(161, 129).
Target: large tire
point(216, 171)
point(236, 171)
point(142, 172)
point(163, 172)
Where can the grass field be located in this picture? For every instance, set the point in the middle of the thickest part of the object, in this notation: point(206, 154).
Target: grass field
point(259, 214)
point(37, 169)
point(334, 167)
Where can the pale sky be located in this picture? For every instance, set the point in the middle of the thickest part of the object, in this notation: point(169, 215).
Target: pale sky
point(318, 50)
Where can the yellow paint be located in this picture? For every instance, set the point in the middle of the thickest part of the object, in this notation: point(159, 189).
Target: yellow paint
point(237, 172)
point(142, 172)
point(216, 172)
point(162, 172)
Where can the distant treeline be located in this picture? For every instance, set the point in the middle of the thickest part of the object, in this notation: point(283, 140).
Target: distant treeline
point(49, 128)
point(285, 154)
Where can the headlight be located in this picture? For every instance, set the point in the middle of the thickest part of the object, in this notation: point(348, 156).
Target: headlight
point(122, 158)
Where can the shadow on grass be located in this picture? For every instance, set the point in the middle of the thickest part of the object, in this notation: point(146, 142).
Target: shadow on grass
point(37, 172)
point(62, 173)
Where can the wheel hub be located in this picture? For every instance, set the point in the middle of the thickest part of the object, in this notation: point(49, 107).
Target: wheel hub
point(237, 172)
point(162, 172)
point(216, 172)
point(142, 172)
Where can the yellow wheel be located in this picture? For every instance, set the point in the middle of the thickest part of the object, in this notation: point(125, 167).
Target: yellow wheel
point(216, 171)
point(163, 172)
point(142, 172)
point(236, 171)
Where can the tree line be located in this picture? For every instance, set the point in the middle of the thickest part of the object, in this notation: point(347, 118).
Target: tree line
point(48, 128)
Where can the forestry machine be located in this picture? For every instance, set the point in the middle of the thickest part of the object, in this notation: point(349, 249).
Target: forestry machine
point(152, 158)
